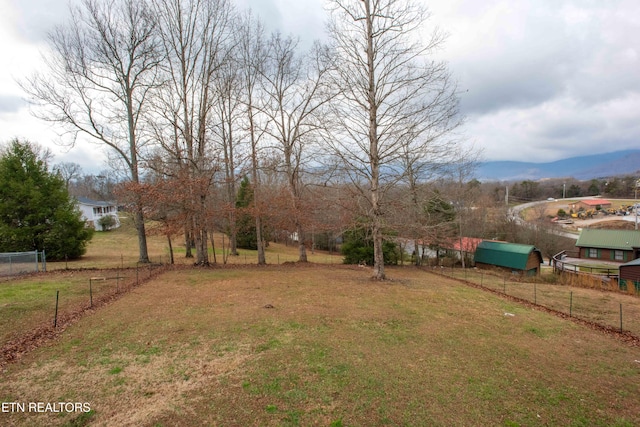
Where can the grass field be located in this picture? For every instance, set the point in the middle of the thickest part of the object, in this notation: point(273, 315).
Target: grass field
point(119, 249)
point(603, 306)
point(320, 345)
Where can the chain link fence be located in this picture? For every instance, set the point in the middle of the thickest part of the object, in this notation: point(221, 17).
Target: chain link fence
point(14, 263)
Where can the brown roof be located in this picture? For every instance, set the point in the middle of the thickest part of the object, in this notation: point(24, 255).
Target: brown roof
point(469, 244)
point(595, 202)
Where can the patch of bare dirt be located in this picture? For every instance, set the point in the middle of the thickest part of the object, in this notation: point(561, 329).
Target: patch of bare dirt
point(616, 224)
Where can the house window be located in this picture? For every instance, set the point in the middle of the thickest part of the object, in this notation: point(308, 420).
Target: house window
point(618, 256)
point(593, 253)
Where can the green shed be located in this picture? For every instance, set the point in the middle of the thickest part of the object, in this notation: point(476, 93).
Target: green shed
point(517, 258)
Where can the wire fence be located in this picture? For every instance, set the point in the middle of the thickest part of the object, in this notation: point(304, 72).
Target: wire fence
point(15, 263)
point(581, 297)
point(32, 309)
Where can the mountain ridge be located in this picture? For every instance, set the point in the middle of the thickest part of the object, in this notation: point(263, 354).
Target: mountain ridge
point(580, 167)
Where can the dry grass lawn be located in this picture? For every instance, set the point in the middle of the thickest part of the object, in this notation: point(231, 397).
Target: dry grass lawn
point(601, 305)
point(325, 346)
point(119, 249)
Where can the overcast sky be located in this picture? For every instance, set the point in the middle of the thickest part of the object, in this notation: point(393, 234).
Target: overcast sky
point(542, 80)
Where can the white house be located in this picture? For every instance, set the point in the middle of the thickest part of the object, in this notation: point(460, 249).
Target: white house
point(92, 211)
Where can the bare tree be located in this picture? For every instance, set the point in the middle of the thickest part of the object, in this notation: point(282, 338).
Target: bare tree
point(252, 51)
point(391, 96)
point(464, 192)
point(195, 38)
point(228, 109)
point(68, 171)
point(295, 93)
point(442, 159)
point(96, 81)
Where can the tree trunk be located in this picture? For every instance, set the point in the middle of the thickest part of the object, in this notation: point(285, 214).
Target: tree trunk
point(260, 242)
point(256, 194)
point(378, 255)
point(188, 241)
point(171, 261)
point(302, 250)
point(142, 237)
point(213, 248)
point(202, 247)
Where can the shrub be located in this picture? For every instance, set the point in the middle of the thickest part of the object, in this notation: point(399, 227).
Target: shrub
point(107, 222)
point(358, 248)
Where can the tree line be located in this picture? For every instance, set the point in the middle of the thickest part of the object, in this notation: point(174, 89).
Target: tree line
point(38, 212)
point(619, 187)
point(193, 96)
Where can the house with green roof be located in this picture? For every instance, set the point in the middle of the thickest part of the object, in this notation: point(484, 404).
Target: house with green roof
point(609, 245)
point(517, 258)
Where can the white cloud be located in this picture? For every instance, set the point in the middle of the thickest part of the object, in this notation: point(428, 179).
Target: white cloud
point(546, 79)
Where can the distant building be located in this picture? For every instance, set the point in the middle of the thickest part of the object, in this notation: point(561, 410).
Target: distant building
point(409, 247)
point(464, 246)
point(517, 258)
point(93, 210)
point(588, 204)
point(609, 245)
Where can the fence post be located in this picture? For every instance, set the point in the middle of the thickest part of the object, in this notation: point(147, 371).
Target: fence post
point(504, 284)
point(55, 320)
point(571, 304)
point(90, 294)
point(535, 294)
point(620, 317)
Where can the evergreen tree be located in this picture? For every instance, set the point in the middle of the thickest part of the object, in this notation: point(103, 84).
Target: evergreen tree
point(247, 236)
point(574, 190)
point(36, 212)
point(357, 247)
point(594, 188)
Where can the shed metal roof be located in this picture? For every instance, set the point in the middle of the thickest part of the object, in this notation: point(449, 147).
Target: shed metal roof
point(510, 255)
point(609, 239)
point(635, 262)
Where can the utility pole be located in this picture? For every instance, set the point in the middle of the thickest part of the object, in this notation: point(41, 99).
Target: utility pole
point(635, 207)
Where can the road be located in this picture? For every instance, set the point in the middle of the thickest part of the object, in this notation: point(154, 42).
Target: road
point(516, 214)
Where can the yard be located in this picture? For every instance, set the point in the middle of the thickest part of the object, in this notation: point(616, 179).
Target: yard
point(323, 345)
point(317, 344)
